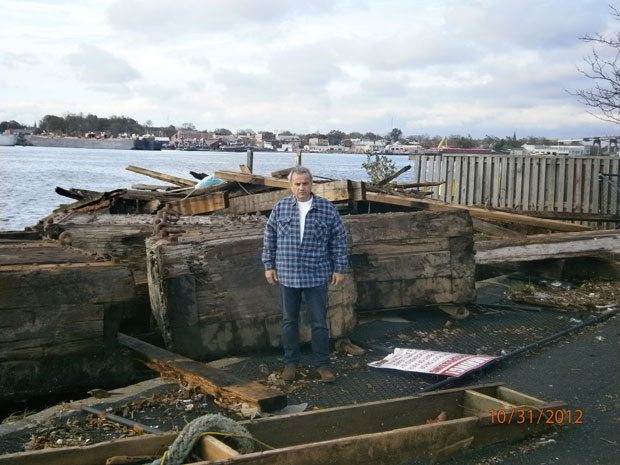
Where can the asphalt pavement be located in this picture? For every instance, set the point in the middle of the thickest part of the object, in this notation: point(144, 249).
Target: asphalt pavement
point(581, 369)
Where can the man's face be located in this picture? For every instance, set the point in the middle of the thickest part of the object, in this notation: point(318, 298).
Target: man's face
point(301, 187)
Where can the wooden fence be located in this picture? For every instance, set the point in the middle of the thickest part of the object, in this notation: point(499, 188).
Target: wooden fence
point(579, 185)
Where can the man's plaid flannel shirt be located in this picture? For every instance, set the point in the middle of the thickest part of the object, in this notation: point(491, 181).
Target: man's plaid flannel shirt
point(310, 262)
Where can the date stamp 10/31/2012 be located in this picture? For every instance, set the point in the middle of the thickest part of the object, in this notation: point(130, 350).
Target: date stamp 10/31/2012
point(549, 416)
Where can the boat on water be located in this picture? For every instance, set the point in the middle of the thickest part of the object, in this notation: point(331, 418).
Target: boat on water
point(108, 143)
point(8, 140)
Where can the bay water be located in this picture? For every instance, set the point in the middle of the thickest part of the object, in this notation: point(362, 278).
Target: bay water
point(29, 175)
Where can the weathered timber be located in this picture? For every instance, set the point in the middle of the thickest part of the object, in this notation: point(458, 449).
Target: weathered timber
point(88, 204)
point(406, 185)
point(491, 229)
point(77, 194)
point(38, 252)
point(59, 310)
point(408, 259)
point(209, 295)
point(198, 175)
point(154, 187)
point(398, 433)
point(250, 178)
point(333, 190)
point(181, 182)
point(122, 237)
point(220, 384)
point(572, 216)
point(544, 246)
point(387, 179)
point(203, 204)
point(476, 212)
point(283, 173)
point(28, 234)
point(210, 298)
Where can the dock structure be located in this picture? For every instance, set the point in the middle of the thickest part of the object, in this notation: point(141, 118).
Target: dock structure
point(574, 188)
point(190, 258)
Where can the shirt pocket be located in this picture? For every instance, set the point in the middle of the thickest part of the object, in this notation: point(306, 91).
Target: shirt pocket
point(320, 230)
point(284, 226)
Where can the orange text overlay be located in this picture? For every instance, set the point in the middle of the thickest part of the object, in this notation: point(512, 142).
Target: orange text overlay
point(536, 417)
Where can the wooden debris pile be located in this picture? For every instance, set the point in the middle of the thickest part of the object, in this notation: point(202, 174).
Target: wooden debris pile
point(60, 310)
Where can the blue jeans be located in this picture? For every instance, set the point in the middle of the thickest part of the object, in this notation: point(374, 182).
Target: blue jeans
point(316, 302)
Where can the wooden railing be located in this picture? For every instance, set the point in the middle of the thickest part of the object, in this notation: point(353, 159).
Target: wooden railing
point(580, 185)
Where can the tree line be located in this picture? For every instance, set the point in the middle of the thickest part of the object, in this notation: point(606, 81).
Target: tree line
point(78, 125)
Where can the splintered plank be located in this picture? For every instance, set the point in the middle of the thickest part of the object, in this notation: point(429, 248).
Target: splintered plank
point(39, 252)
point(334, 191)
point(542, 246)
point(249, 178)
point(217, 383)
point(203, 204)
point(143, 445)
point(181, 182)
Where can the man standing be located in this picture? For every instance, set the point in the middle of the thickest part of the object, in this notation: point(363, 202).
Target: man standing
point(304, 250)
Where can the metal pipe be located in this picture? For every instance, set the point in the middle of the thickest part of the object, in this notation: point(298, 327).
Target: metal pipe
point(448, 381)
point(122, 420)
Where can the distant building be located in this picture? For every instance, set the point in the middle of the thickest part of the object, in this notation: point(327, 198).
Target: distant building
point(559, 149)
point(326, 148)
point(187, 134)
point(288, 138)
point(288, 147)
point(403, 149)
point(367, 145)
point(316, 141)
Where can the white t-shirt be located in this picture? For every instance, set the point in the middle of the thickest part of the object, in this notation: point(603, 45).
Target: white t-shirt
point(304, 208)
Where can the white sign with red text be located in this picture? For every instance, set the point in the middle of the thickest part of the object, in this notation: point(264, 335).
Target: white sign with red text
point(432, 362)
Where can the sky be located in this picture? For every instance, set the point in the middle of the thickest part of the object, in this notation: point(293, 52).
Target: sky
point(443, 67)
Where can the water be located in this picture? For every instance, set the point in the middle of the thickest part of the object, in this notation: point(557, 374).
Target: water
point(29, 175)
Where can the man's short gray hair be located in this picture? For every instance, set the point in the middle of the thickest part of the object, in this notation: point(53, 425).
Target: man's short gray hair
point(299, 170)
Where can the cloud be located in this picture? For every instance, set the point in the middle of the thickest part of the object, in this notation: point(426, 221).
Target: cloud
point(182, 17)
point(14, 60)
point(539, 24)
point(469, 66)
point(95, 66)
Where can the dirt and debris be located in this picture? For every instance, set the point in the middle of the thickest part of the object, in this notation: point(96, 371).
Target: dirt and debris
point(76, 432)
point(594, 296)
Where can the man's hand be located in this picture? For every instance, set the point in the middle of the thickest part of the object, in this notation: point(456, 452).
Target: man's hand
point(337, 278)
point(271, 276)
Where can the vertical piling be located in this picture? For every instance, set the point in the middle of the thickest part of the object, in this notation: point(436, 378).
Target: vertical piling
point(250, 160)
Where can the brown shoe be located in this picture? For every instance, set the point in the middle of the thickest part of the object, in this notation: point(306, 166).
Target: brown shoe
point(288, 374)
point(326, 374)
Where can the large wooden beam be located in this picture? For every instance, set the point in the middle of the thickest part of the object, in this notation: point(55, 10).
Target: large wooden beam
point(491, 229)
point(399, 433)
point(384, 181)
point(181, 182)
point(203, 204)
point(355, 190)
point(543, 246)
point(334, 191)
point(476, 212)
point(252, 179)
point(217, 383)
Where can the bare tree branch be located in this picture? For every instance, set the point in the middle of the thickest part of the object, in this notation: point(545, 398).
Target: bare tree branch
point(603, 98)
